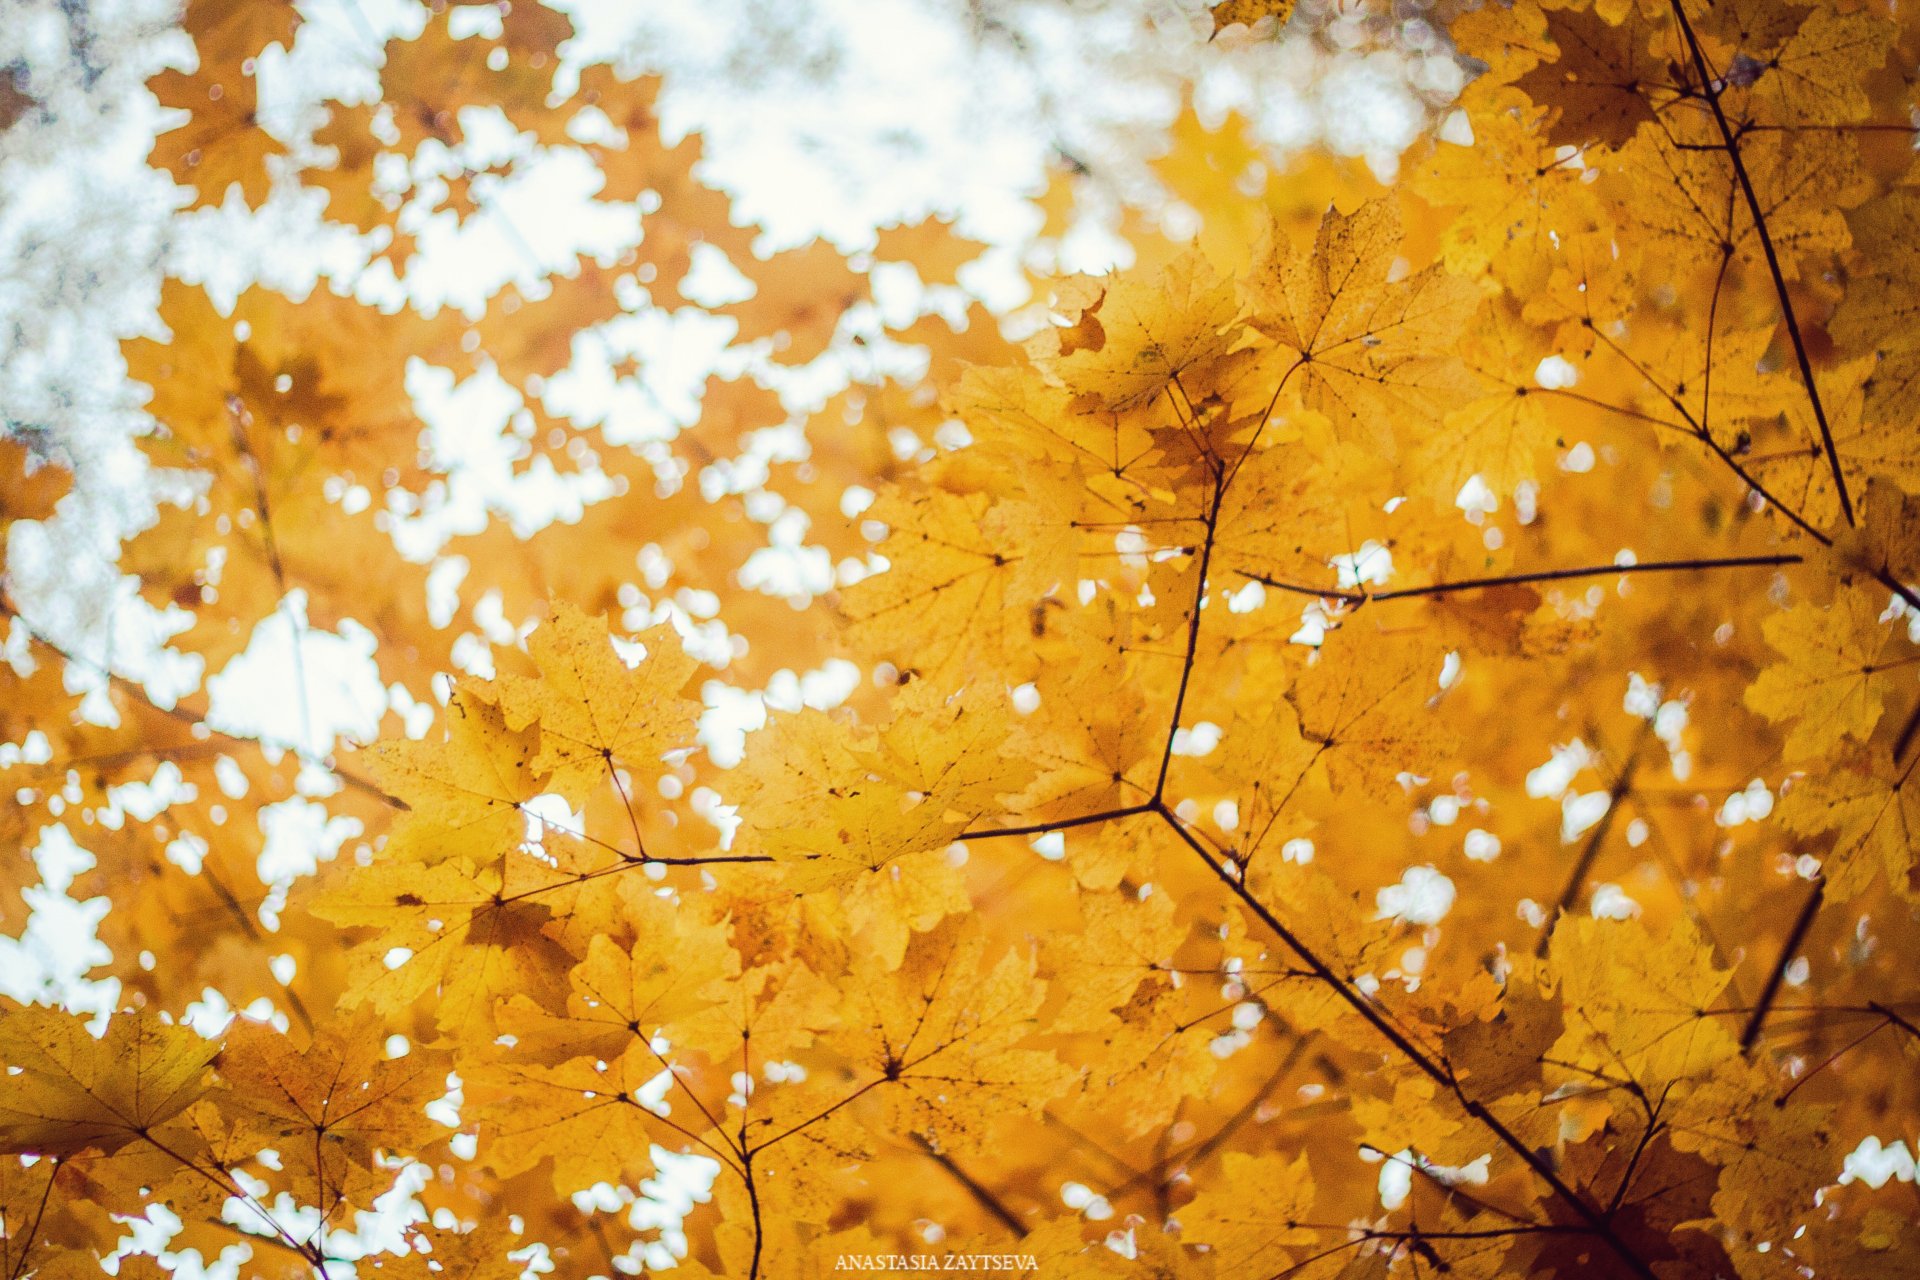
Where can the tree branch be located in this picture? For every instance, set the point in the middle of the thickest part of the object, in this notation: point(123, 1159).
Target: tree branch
point(1750, 1033)
point(1521, 579)
point(1595, 1220)
point(981, 1195)
point(1711, 93)
point(1584, 863)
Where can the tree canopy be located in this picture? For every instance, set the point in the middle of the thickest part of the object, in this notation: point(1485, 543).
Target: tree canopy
point(1379, 740)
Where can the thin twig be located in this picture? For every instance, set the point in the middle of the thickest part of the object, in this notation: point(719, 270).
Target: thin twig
point(1521, 579)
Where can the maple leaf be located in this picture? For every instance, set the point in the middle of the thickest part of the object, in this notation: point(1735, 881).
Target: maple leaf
point(800, 296)
point(1270, 761)
point(1696, 213)
point(328, 1108)
point(1813, 78)
point(469, 934)
point(1638, 1002)
point(1372, 718)
point(935, 250)
point(1504, 1053)
point(1141, 335)
point(463, 794)
point(1860, 397)
point(957, 572)
point(348, 181)
point(841, 811)
point(231, 31)
point(220, 144)
point(1769, 1156)
point(947, 1030)
point(1365, 341)
point(1015, 410)
point(1882, 543)
point(1121, 945)
point(1255, 1214)
point(1872, 805)
point(68, 1090)
point(431, 78)
point(1534, 214)
point(595, 712)
point(1880, 301)
point(33, 484)
point(674, 971)
point(1830, 682)
point(593, 1119)
point(1603, 78)
point(1293, 510)
point(1503, 433)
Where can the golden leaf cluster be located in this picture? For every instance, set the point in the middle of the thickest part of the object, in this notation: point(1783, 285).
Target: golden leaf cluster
point(1384, 745)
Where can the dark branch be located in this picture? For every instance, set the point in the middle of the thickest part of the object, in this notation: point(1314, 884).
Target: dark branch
point(981, 1195)
point(1577, 876)
point(1521, 579)
point(1710, 91)
point(1750, 1033)
point(1428, 1065)
point(1059, 824)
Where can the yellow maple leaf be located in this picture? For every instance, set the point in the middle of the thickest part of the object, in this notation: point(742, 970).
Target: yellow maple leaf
point(1367, 340)
point(1255, 1214)
point(1148, 332)
point(596, 712)
point(1830, 682)
point(67, 1091)
point(463, 794)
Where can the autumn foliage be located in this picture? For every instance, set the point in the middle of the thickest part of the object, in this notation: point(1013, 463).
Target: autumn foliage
point(1384, 739)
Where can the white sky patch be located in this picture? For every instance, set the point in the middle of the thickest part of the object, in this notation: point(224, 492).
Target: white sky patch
point(1610, 902)
point(300, 686)
point(300, 835)
point(49, 961)
point(1476, 500)
point(1396, 1180)
point(1554, 777)
point(550, 810)
point(733, 713)
point(1200, 740)
point(1875, 1164)
point(1750, 804)
point(1579, 811)
point(1481, 846)
point(1556, 373)
point(660, 1209)
point(1371, 564)
point(1423, 896)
